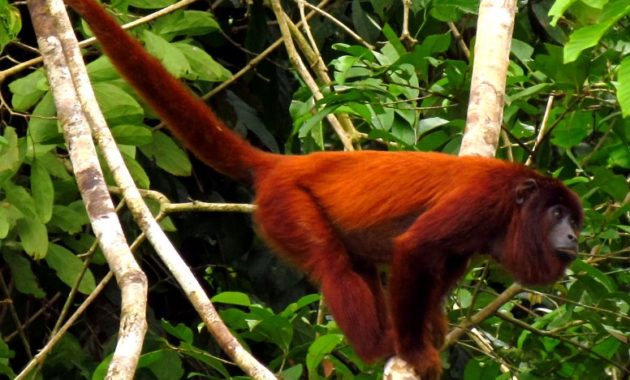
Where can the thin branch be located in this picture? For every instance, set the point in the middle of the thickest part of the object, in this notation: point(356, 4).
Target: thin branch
point(459, 39)
point(43, 309)
point(255, 61)
point(90, 41)
point(341, 25)
point(16, 318)
point(314, 58)
point(405, 37)
point(543, 129)
point(298, 64)
point(549, 334)
point(52, 342)
point(482, 314)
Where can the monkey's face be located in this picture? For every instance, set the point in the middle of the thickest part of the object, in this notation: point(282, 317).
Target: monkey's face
point(542, 239)
point(564, 233)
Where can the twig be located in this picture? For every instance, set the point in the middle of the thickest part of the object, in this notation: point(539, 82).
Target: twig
point(255, 61)
point(90, 41)
point(16, 318)
point(536, 331)
point(482, 314)
point(52, 342)
point(313, 56)
point(297, 62)
point(43, 309)
point(460, 40)
point(405, 37)
point(341, 25)
point(543, 129)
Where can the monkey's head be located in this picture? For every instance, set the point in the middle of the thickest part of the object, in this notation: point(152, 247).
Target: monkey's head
point(542, 238)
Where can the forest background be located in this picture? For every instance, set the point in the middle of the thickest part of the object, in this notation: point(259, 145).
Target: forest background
point(400, 74)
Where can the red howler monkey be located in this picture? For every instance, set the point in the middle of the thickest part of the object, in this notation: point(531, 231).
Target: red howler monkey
point(336, 215)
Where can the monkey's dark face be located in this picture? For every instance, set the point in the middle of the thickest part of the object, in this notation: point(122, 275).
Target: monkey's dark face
point(563, 237)
point(542, 239)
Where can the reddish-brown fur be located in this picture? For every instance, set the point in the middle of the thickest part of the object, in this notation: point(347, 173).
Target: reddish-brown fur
point(337, 215)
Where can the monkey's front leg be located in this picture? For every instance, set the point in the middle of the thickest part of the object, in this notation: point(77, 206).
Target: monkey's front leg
point(416, 294)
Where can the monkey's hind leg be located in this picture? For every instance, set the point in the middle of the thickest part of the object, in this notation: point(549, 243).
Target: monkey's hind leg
point(294, 223)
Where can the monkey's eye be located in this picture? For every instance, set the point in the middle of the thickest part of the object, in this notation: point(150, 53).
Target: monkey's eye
point(558, 212)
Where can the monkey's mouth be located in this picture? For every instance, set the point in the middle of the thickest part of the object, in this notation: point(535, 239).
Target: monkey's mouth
point(567, 254)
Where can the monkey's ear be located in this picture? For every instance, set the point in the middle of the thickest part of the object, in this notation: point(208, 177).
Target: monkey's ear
point(525, 189)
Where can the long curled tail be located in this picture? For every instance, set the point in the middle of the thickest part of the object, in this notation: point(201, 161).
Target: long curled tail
point(187, 116)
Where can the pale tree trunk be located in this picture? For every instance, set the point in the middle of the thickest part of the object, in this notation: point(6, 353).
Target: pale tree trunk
point(100, 208)
point(487, 88)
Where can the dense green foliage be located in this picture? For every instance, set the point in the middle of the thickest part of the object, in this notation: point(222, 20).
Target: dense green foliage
point(400, 94)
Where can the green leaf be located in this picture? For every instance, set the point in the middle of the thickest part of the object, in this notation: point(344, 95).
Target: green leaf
point(132, 134)
point(467, 6)
point(34, 237)
point(53, 165)
point(168, 155)
point(558, 8)
point(28, 90)
point(117, 105)
point(583, 39)
point(608, 348)
point(464, 298)
point(42, 190)
point(445, 13)
point(67, 219)
point(552, 65)
point(429, 124)
point(589, 36)
point(10, 23)
point(619, 155)
point(189, 23)
point(101, 70)
point(318, 350)
point(292, 373)
point(42, 127)
point(21, 199)
point(623, 87)
point(181, 331)
point(363, 24)
point(171, 57)
point(594, 273)
point(101, 369)
point(521, 50)
point(9, 152)
point(163, 364)
point(275, 329)
point(477, 369)
point(202, 65)
point(5, 354)
point(248, 118)
point(23, 277)
point(232, 298)
point(69, 267)
point(527, 93)
point(613, 184)
point(204, 357)
point(5, 224)
point(151, 4)
point(572, 129)
point(139, 175)
point(303, 302)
